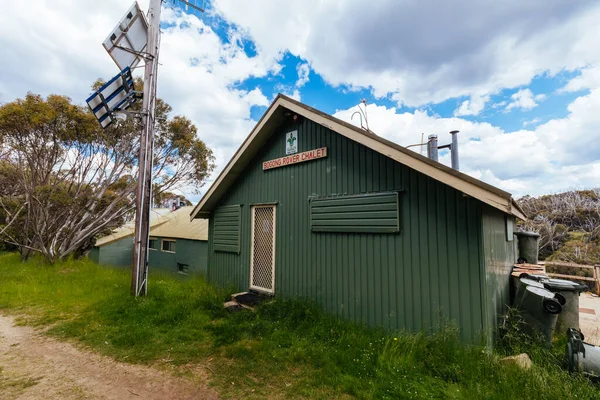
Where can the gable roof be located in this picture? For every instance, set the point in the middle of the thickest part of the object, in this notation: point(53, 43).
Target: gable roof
point(164, 223)
point(156, 218)
point(179, 226)
point(275, 115)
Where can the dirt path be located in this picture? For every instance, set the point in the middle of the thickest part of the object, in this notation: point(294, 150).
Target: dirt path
point(33, 366)
point(589, 317)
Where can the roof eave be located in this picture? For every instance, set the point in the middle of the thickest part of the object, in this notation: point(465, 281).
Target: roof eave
point(517, 211)
point(473, 187)
point(200, 211)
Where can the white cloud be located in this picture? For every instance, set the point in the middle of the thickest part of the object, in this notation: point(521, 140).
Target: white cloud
point(295, 95)
point(289, 91)
point(473, 106)
point(405, 51)
point(524, 100)
point(303, 73)
point(411, 52)
point(560, 154)
point(56, 47)
point(293, 91)
point(589, 79)
point(533, 121)
point(205, 89)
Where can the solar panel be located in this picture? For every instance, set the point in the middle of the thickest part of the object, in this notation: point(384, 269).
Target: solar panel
point(129, 38)
point(115, 95)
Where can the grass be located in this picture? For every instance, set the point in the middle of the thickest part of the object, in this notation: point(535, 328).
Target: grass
point(286, 349)
point(14, 385)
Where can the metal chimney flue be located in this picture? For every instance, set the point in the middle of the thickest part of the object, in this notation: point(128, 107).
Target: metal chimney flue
point(432, 147)
point(454, 150)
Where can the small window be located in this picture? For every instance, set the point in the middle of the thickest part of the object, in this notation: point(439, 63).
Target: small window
point(168, 246)
point(510, 227)
point(153, 244)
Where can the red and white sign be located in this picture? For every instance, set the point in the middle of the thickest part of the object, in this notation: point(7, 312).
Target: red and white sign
point(296, 158)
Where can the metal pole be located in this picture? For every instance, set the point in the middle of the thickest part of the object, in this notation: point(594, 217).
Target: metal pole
point(454, 149)
point(139, 273)
point(432, 147)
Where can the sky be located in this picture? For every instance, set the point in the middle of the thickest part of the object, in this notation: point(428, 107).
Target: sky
point(519, 79)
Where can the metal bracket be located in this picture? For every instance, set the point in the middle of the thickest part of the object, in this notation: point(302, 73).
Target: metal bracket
point(133, 114)
point(143, 54)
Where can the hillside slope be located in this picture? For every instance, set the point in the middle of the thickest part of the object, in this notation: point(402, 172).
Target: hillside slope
point(569, 225)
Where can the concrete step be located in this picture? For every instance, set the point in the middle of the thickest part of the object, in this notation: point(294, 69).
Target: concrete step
point(233, 296)
point(233, 305)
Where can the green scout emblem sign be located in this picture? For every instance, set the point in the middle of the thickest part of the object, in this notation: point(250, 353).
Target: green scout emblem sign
point(291, 143)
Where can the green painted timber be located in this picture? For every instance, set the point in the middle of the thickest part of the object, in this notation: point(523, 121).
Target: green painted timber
point(367, 213)
point(94, 255)
point(431, 270)
point(227, 229)
point(192, 253)
point(118, 253)
point(499, 257)
point(187, 252)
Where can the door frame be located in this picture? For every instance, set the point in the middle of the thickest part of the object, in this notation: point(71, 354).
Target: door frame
point(252, 226)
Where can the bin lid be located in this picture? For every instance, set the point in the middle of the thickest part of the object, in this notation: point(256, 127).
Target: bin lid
point(530, 282)
point(537, 277)
point(564, 285)
point(525, 233)
point(540, 291)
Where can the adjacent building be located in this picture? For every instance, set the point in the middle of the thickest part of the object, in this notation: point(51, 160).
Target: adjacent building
point(176, 244)
point(313, 207)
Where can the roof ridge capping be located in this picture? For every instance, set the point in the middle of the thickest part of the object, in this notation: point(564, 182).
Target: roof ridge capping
point(484, 192)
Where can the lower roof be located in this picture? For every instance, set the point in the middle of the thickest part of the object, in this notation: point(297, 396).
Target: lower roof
point(275, 115)
point(164, 223)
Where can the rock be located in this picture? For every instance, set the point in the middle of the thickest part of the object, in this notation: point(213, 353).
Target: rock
point(521, 360)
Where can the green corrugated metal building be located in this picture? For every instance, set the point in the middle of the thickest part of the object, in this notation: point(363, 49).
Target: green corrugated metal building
point(313, 207)
point(176, 244)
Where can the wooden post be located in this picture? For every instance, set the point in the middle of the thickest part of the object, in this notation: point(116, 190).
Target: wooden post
point(597, 277)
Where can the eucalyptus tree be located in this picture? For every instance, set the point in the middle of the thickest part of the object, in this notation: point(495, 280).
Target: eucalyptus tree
point(65, 180)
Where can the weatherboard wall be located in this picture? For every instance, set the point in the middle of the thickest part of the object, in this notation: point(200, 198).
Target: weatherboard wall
point(118, 253)
point(431, 270)
point(192, 253)
point(189, 252)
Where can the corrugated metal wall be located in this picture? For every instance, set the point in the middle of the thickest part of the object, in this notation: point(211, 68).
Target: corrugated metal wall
point(499, 256)
point(432, 268)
